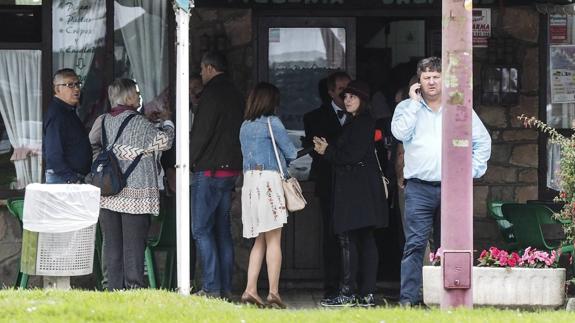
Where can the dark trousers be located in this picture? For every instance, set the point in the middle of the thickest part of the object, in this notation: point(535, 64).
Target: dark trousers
point(331, 252)
point(124, 244)
point(359, 261)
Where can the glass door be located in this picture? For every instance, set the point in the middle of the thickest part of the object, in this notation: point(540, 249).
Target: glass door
point(295, 54)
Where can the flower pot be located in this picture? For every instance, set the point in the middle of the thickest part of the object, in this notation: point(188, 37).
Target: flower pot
point(504, 287)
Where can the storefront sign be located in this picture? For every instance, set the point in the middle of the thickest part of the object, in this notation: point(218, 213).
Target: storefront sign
point(562, 69)
point(340, 4)
point(78, 29)
point(557, 29)
point(481, 26)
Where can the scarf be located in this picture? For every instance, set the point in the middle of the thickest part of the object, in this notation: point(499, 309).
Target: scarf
point(120, 108)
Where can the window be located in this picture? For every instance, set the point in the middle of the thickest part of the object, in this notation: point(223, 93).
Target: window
point(78, 38)
point(560, 109)
point(141, 48)
point(21, 124)
point(20, 24)
point(299, 54)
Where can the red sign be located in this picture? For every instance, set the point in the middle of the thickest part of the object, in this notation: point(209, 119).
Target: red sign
point(557, 29)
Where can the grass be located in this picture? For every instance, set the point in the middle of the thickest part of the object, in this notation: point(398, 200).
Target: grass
point(161, 306)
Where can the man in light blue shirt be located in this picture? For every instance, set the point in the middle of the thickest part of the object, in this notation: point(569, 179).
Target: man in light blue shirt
point(417, 122)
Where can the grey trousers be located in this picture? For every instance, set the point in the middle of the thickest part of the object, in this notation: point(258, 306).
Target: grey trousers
point(124, 244)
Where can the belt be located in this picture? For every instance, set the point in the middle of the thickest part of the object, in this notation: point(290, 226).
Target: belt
point(420, 181)
point(353, 166)
point(257, 167)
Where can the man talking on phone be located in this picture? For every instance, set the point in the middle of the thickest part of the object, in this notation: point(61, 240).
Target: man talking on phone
point(417, 122)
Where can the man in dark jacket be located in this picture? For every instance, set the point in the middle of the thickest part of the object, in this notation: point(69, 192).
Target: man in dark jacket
point(216, 162)
point(326, 122)
point(66, 147)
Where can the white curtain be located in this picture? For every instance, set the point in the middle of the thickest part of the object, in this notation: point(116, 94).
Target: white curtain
point(144, 30)
point(21, 109)
point(334, 47)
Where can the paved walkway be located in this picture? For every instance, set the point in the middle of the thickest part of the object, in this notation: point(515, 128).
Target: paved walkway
point(309, 299)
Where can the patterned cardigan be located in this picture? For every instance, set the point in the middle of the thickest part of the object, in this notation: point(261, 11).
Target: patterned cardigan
point(141, 194)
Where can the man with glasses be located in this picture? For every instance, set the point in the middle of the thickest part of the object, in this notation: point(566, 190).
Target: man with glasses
point(66, 147)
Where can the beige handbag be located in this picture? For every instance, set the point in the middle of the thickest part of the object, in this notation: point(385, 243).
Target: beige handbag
point(383, 179)
point(292, 190)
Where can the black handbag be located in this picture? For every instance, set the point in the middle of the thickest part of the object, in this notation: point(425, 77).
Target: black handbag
point(106, 172)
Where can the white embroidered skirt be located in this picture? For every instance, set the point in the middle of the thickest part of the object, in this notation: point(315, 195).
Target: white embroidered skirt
point(263, 202)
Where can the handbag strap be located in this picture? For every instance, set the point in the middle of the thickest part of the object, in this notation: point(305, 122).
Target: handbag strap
point(385, 180)
point(377, 158)
point(275, 147)
point(135, 162)
point(118, 134)
point(132, 166)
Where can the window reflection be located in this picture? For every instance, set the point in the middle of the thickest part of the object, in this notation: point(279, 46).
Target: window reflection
point(298, 59)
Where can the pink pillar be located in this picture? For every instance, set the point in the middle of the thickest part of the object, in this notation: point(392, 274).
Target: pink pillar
point(456, 180)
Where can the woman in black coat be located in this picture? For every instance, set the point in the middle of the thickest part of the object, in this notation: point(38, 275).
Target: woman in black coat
point(359, 203)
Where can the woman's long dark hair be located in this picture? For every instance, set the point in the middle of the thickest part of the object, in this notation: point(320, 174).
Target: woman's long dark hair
point(264, 98)
point(364, 106)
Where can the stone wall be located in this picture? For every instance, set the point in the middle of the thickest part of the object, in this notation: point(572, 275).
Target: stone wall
point(227, 30)
point(512, 172)
point(10, 240)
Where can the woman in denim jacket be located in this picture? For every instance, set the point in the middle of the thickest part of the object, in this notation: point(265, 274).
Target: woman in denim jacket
point(263, 205)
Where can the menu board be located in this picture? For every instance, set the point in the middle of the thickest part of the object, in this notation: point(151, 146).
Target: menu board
point(79, 27)
point(562, 69)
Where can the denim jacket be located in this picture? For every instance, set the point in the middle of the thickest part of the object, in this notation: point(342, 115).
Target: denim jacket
point(257, 149)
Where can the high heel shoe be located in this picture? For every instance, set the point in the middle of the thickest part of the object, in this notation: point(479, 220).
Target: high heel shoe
point(274, 300)
point(248, 298)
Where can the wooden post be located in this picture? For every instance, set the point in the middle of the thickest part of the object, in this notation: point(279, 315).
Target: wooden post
point(456, 180)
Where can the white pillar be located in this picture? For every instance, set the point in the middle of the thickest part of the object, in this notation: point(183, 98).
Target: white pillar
point(182, 149)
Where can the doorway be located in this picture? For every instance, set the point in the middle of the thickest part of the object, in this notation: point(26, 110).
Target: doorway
point(295, 53)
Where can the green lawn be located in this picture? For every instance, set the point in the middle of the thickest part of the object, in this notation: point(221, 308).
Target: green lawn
point(158, 306)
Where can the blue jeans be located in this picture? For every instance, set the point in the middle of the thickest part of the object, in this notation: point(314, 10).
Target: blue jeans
point(422, 207)
point(211, 202)
point(53, 178)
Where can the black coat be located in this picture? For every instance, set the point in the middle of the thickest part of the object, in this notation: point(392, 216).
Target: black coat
point(215, 136)
point(358, 194)
point(321, 122)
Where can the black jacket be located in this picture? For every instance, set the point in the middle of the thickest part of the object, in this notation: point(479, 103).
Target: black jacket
point(321, 122)
point(214, 140)
point(66, 147)
point(358, 194)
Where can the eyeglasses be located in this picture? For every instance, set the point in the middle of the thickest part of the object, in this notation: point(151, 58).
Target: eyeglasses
point(71, 85)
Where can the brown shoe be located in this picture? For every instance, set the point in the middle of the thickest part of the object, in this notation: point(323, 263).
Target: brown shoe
point(275, 301)
point(248, 298)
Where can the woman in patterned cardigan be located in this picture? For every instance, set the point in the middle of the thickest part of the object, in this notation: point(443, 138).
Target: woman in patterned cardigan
point(125, 217)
